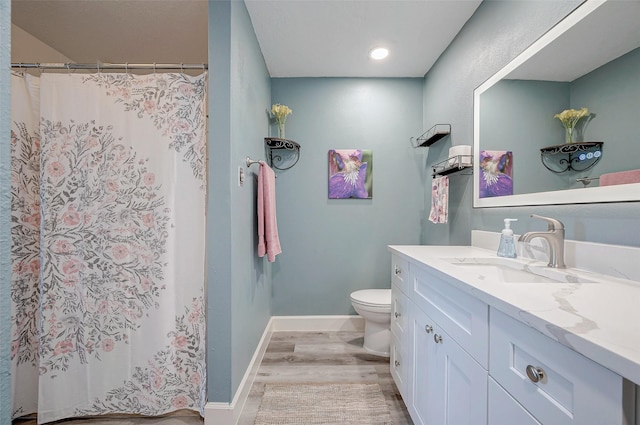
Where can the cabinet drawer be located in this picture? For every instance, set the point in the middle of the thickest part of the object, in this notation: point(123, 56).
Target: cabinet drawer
point(398, 311)
point(572, 388)
point(397, 366)
point(399, 272)
point(505, 410)
point(462, 316)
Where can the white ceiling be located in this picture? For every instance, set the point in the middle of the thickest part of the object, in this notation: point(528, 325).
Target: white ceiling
point(332, 38)
point(298, 38)
point(581, 49)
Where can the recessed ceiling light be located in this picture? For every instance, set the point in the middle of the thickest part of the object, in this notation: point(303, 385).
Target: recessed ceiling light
point(378, 53)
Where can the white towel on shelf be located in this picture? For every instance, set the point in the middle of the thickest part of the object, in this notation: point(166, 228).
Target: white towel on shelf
point(439, 200)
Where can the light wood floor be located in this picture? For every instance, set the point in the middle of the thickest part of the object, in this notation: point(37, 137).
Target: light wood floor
point(294, 357)
point(322, 357)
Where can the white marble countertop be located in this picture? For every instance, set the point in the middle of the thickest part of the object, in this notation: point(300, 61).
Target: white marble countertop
point(599, 319)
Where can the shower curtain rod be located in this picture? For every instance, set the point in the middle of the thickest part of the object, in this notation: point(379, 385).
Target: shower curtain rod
point(101, 66)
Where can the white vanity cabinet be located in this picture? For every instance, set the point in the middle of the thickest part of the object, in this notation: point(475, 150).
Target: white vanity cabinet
point(448, 340)
point(399, 321)
point(553, 383)
point(461, 361)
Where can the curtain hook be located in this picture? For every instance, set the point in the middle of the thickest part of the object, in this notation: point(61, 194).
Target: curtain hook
point(181, 67)
point(98, 66)
point(21, 72)
point(68, 68)
point(126, 68)
point(154, 67)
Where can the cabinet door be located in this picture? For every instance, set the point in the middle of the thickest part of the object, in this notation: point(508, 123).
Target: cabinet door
point(420, 331)
point(397, 366)
point(505, 410)
point(398, 311)
point(448, 386)
point(458, 383)
point(399, 339)
point(400, 272)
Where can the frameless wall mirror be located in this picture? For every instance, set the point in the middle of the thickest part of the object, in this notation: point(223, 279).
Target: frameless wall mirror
point(591, 59)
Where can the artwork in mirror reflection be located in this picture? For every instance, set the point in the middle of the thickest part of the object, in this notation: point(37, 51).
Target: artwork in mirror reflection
point(496, 173)
point(350, 174)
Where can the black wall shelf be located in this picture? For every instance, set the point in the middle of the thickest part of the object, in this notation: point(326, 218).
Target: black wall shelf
point(432, 135)
point(452, 165)
point(282, 154)
point(579, 156)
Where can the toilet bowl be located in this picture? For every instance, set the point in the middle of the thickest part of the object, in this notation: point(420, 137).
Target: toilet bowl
point(374, 305)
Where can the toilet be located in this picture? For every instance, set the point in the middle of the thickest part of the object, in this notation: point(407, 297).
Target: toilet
point(374, 305)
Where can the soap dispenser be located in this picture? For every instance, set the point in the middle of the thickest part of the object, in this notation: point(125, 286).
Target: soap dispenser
point(507, 246)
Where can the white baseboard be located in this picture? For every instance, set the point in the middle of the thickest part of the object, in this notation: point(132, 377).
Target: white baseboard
point(318, 323)
point(229, 413)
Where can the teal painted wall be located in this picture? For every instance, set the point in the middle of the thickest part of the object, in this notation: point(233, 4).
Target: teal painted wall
point(239, 283)
point(332, 247)
point(251, 283)
point(517, 115)
point(5, 213)
point(219, 274)
point(611, 93)
point(496, 33)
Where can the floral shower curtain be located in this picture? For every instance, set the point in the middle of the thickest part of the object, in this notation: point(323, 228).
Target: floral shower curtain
point(108, 215)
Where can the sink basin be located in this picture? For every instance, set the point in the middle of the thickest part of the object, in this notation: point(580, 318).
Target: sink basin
point(506, 270)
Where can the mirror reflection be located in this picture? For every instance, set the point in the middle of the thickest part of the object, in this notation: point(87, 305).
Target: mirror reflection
point(588, 66)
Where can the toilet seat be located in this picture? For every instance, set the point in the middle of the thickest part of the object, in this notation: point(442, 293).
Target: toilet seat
point(372, 297)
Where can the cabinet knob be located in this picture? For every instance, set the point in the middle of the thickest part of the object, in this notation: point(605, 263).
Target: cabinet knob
point(397, 270)
point(535, 374)
point(428, 329)
point(397, 314)
point(437, 338)
point(397, 363)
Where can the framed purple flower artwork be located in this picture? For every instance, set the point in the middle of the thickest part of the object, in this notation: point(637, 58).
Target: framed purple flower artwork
point(350, 174)
point(496, 173)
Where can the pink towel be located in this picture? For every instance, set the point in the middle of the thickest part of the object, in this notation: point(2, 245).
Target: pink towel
point(268, 241)
point(621, 177)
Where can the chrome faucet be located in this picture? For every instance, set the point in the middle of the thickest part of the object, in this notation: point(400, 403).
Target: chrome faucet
point(554, 236)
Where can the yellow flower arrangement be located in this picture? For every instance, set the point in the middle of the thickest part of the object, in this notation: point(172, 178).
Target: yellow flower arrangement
point(569, 118)
point(280, 113)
